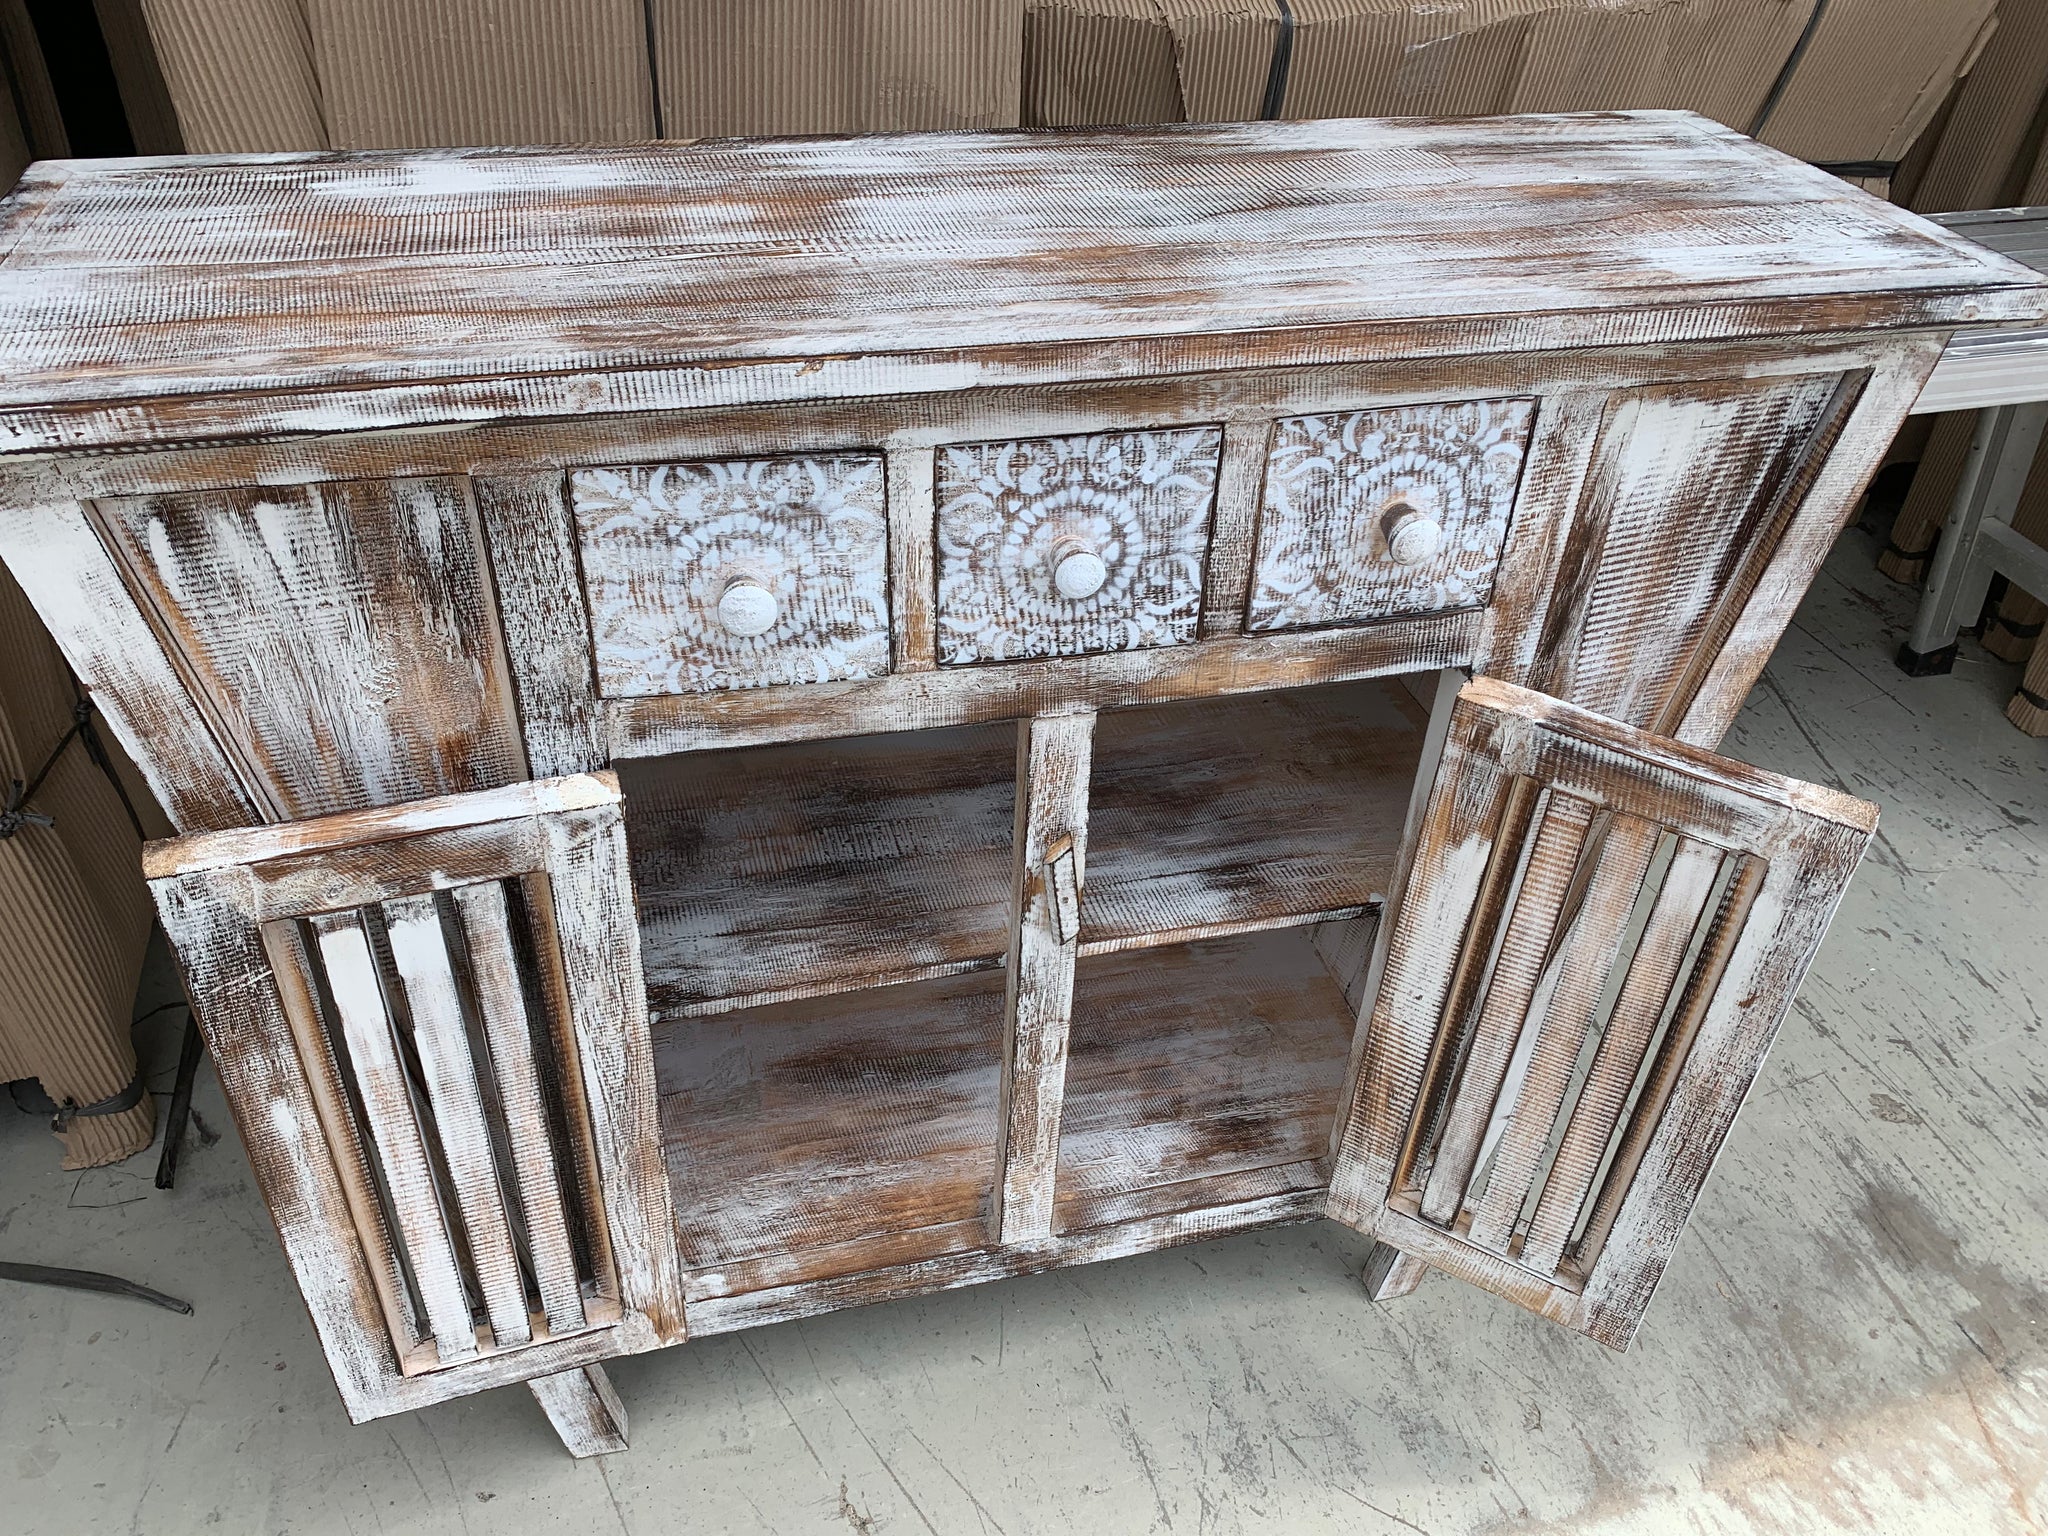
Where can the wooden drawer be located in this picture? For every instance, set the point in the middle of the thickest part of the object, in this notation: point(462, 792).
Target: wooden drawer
point(1063, 546)
point(1383, 513)
point(736, 574)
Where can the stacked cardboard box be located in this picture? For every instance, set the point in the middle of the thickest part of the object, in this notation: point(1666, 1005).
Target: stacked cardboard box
point(370, 74)
point(1850, 82)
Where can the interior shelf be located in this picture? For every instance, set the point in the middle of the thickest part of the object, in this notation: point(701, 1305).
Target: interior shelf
point(1198, 1061)
point(802, 1137)
point(1228, 814)
point(769, 873)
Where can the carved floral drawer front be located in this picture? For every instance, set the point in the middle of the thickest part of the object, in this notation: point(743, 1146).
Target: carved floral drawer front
point(1064, 546)
point(1382, 513)
point(738, 574)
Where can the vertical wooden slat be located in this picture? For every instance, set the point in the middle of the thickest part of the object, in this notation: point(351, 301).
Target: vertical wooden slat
point(419, 948)
point(1700, 990)
point(292, 968)
point(1453, 844)
point(401, 1148)
point(1586, 962)
point(594, 945)
point(501, 999)
point(1053, 757)
point(1525, 947)
point(912, 573)
point(532, 551)
point(1240, 475)
point(1653, 971)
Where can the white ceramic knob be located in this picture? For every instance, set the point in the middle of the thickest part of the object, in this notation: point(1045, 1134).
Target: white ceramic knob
point(748, 609)
point(1080, 573)
point(1412, 536)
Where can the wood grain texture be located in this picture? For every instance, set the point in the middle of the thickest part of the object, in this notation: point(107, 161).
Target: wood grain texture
point(440, 1043)
point(1197, 1060)
point(1246, 810)
point(584, 1409)
point(660, 544)
point(396, 995)
point(1322, 554)
point(575, 268)
point(1686, 481)
point(532, 549)
point(508, 1031)
point(959, 695)
point(79, 593)
point(798, 1126)
point(1054, 753)
point(778, 872)
point(395, 1128)
point(1009, 512)
point(343, 636)
point(1801, 844)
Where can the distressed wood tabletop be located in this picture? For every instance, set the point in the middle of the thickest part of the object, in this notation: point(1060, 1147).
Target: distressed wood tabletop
point(318, 292)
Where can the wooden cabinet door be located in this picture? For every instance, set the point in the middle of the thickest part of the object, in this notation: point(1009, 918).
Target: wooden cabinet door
point(1599, 935)
point(431, 1025)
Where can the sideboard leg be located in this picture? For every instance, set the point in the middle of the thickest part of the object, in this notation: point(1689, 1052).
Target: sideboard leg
point(584, 1409)
point(1389, 1272)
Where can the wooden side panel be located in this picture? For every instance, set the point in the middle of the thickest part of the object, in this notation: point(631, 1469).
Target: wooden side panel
point(79, 593)
point(1577, 994)
point(1687, 481)
point(1010, 513)
point(1053, 754)
point(343, 636)
point(662, 544)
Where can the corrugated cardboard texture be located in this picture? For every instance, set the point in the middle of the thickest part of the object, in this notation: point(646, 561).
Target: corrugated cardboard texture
point(145, 99)
point(240, 74)
point(1989, 139)
point(74, 914)
point(836, 66)
point(1874, 75)
point(398, 74)
point(1129, 60)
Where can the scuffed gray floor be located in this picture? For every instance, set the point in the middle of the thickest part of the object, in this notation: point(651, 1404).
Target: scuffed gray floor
point(1853, 1337)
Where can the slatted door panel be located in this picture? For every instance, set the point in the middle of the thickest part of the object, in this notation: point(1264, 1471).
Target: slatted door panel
point(1600, 935)
point(456, 1123)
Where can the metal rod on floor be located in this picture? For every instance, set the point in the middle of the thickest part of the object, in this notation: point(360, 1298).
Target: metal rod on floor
point(180, 1113)
point(91, 1280)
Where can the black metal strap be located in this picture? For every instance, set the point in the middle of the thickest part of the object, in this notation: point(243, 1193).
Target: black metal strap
point(31, 1096)
point(1276, 71)
point(2017, 631)
point(15, 814)
point(2032, 697)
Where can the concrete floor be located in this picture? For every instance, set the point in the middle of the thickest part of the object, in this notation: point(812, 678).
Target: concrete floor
point(1853, 1337)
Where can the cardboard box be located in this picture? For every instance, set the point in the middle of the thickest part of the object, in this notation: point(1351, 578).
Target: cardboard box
point(73, 908)
point(1873, 75)
point(1981, 150)
point(836, 66)
point(1848, 81)
point(1216, 59)
point(356, 74)
point(240, 74)
point(395, 74)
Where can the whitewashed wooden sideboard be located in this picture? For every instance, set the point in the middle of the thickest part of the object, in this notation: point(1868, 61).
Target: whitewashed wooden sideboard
point(762, 726)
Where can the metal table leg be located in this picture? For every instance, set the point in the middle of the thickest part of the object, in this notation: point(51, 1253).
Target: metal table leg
point(1977, 541)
